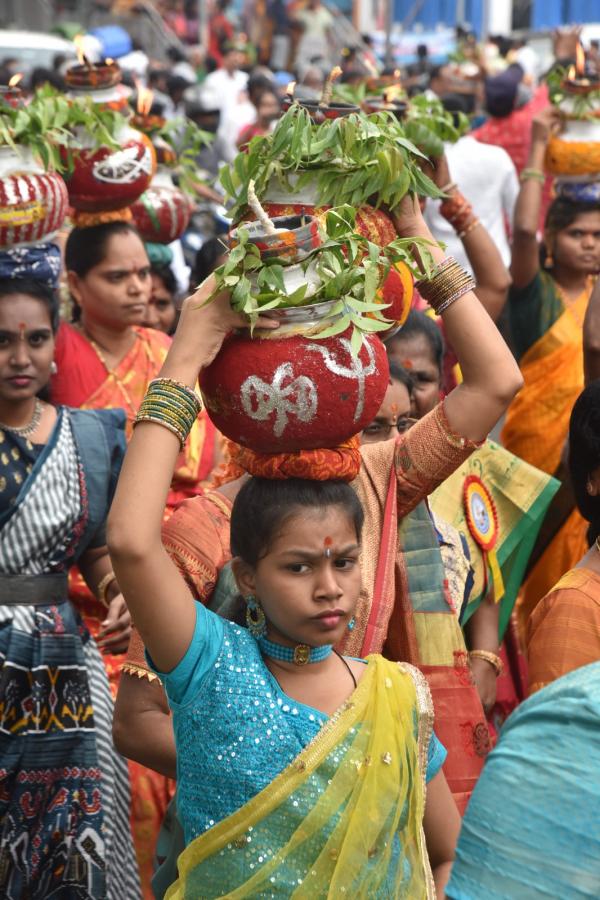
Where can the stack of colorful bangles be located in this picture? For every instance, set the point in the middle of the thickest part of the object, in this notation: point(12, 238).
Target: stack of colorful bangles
point(448, 282)
point(457, 210)
point(172, 404)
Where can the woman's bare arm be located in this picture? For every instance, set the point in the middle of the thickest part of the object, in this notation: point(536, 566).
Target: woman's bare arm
point(142, 725)
point(156, 593)
point(525, 262)
point(441, 824)
point(491, 376)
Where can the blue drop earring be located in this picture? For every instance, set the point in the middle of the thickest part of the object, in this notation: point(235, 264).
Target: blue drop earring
point(255, 617)
point(351, 624)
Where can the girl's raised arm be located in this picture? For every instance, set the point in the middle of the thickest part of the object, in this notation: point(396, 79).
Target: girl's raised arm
point(156, 594)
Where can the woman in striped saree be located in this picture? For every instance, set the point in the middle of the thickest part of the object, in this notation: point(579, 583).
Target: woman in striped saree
point(64, 793)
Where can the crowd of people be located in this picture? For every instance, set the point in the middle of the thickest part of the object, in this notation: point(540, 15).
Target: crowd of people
point(218, 682)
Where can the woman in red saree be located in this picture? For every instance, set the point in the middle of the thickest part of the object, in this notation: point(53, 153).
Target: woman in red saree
point(106, 360)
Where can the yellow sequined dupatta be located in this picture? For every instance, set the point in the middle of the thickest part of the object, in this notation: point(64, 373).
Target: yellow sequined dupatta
point(345, 818)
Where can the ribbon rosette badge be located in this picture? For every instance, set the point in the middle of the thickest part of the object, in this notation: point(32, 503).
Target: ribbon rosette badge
point(482, 519)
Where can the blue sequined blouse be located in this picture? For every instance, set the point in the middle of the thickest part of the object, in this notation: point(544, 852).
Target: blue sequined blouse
point(235, 729)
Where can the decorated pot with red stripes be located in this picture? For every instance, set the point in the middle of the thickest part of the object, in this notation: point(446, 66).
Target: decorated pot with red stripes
point(107, 180)
point(162, 213)
point(33, 202)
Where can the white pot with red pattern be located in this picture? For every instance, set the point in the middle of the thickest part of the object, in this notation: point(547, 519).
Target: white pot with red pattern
point(33, 202)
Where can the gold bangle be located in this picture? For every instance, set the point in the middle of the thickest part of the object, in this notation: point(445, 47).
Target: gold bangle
point(103, 586)
point(492, 658)
point(448, 282)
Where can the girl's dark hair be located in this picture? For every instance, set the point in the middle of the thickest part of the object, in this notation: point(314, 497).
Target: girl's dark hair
point(418, 323)
point(399, 373)
point(262, 506)
point(584, 453)
point(562, 213)
point(86, 247)
point(206, 259)
point(35, 289)
point(165, 273)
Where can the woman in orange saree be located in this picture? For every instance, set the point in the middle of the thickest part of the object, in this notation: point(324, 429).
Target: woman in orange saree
point(547, 306)
point(106, 360)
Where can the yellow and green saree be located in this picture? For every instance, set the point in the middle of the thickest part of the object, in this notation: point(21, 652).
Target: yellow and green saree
point(343, 819)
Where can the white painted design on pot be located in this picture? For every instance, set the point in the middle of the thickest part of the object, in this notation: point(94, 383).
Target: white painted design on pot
point(296, 398)
point(355, 370)
point(124, 166)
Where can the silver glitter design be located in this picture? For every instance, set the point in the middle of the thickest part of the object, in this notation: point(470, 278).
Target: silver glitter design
point(298, 398)
point(123, 167)
point(355, 370)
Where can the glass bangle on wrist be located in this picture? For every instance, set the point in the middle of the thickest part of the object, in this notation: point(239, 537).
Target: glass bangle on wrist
point(447, 284)
point(172, 404)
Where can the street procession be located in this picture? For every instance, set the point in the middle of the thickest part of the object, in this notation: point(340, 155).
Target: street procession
point(299, 450)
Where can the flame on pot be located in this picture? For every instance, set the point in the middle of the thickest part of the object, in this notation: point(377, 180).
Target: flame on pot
point(290, 89)
point(392, 93)
point(579, 60)
point(16, 78)
point(79, 42)
point(109, 62)
point(397, 74)
point(571, 74)
point(145, 98)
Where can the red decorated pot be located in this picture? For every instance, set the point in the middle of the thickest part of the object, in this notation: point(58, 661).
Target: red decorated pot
point(33, 202)
point(162, 213)
point(277, 395)
point(108, 179)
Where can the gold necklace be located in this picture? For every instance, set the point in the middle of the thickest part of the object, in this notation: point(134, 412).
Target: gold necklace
point(26, 430)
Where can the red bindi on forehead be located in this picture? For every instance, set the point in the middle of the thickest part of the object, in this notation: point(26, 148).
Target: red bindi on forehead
point(407, 363)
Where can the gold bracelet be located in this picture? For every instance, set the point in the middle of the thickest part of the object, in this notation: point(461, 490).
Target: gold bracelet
point(103, 586)
point(492, 658)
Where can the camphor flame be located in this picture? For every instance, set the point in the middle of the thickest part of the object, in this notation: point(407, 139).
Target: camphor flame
point(397, 75)
point(16, 78)
point(109, 62)
point(579, 60)
point(145, 98)
point(79, 42)
point(571, 74)
point(289, 91)
point(392, 93)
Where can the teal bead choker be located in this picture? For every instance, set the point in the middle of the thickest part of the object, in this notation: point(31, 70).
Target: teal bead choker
point(300, 655)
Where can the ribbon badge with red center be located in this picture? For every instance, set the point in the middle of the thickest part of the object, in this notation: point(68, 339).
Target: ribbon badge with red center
point(482, 519)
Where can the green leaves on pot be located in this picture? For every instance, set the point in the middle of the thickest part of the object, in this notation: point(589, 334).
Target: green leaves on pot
point(353, 160)
point(51, 125)
point(186, 140)
point(429, 125)
point(346, 270)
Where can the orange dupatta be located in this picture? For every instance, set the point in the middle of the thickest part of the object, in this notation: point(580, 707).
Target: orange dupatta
point(536, 429)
